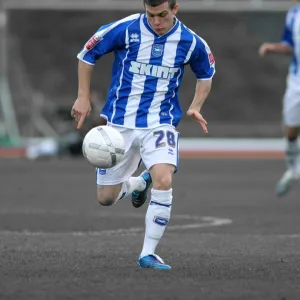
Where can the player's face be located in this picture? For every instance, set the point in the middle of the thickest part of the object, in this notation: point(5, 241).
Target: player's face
point(161, 18)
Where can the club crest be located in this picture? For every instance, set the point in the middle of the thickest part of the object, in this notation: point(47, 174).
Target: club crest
point(157, 50)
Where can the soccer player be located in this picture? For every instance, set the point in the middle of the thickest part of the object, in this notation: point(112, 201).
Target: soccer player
point(289, 45)
point(151, 50)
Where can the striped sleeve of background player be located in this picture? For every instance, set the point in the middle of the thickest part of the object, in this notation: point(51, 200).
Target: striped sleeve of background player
point(202, 61)
point(287, 36)
point(106, 39)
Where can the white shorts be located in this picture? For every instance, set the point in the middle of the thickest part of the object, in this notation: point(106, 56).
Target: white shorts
point(291, 107)
point(152, 146)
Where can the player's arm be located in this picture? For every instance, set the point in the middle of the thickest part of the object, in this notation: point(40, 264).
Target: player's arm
point(82, 106)
point(203, 88)
point(203, 65)
point(108, 38)
point(287, 40)
point(84, 79)
point(281, 48)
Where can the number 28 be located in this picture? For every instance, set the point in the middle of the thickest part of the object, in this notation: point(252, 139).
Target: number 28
point(170, 136)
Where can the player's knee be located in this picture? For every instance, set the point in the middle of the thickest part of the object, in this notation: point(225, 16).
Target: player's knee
point(292, 133)
point(162, 175)
point(106, 201)
point(105, 198)
point(163, 182)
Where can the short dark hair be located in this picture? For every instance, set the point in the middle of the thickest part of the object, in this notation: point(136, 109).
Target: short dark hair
point(155, 3)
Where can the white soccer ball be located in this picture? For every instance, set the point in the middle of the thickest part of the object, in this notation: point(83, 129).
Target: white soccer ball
point(103, 147)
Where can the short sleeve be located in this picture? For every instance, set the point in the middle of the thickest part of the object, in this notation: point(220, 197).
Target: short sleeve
point(287, 35)
point(107, 39)
point(202, 60)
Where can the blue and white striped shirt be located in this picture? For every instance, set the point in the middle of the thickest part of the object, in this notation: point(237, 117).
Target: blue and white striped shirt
point(147, 70)
point(291, 36)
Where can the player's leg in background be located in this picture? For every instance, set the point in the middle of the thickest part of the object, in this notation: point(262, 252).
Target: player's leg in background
point(117, 183)
point(160, 155)
point(292, 155)
point(292, 148)
point(291, 118)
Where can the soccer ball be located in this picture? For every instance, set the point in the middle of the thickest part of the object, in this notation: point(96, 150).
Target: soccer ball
point(103, 147)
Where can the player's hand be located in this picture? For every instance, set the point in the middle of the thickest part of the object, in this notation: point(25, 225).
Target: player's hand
point(80, 110)
point(198, 118)
point(265, 48)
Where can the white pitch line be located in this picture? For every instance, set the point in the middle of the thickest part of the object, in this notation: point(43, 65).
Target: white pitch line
point(207, 222)
point(99, 214)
